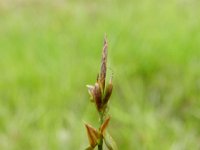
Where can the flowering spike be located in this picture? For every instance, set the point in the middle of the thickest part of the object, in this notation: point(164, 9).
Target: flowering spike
point(100, 93)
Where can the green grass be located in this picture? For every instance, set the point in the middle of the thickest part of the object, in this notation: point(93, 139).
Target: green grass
point(49, 51)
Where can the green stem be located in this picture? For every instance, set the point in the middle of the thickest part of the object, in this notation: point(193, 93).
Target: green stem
point(100, 145)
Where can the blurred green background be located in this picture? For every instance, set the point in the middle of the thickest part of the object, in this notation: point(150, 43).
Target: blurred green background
point(49, 51)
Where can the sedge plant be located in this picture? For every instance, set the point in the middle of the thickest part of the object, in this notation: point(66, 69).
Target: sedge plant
point(100, 94)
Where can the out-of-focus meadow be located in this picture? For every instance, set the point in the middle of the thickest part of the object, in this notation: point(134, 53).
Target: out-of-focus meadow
point(50, 50)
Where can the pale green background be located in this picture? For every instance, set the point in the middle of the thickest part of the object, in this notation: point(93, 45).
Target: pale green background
point(49, 51)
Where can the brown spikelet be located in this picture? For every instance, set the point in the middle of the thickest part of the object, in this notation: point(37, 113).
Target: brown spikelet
point(104, 125)
point(93, 135)
point(103, 63)
point(97, 96)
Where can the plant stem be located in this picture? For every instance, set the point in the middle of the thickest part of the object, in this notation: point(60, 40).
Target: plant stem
point(100, 145)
